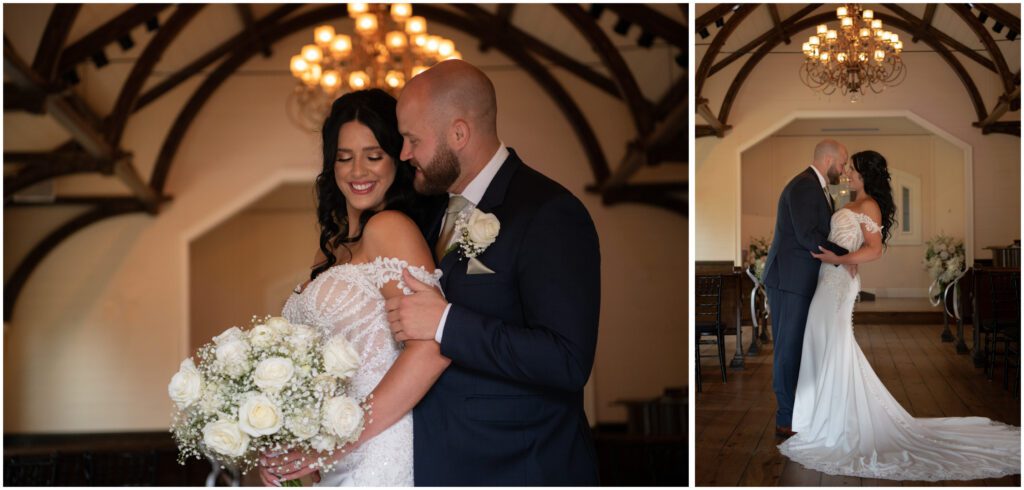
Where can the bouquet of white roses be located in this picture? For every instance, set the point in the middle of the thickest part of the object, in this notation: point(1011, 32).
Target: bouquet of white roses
point(944, 259)
point(757, 256)
point(274, 387)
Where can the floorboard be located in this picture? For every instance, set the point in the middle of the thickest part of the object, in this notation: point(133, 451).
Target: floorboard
point(736, 444)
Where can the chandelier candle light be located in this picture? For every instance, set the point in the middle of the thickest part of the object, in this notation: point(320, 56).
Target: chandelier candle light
point(390, 46)
point(860, 53)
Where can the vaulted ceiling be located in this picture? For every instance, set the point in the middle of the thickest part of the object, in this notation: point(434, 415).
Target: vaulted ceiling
point(986, 35)
point(75, 76)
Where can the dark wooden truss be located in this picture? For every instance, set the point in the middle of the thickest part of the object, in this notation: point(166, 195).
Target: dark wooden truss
point(921, 29)
point(44, 88)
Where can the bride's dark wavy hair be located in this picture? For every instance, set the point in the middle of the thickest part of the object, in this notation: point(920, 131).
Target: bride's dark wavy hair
point(875, 172)
point(375, 109)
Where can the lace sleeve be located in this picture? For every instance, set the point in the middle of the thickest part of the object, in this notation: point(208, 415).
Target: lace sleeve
point(869, 224)
point(390, 269)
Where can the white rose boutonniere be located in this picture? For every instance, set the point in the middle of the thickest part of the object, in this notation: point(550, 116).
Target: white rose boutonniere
point(478, 231)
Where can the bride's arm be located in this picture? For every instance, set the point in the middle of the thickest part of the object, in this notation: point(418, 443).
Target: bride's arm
point(392, 234)
point(869, 251)
point(387, 234)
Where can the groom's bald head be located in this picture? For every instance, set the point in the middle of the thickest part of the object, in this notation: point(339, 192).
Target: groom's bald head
point(829, 158)
point(452, 90)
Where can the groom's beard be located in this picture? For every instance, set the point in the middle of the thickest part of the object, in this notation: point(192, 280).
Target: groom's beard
point(833, 175)
point(439, 175)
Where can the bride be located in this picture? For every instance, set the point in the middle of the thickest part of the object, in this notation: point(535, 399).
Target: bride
point(365, 198)
point(845, 420)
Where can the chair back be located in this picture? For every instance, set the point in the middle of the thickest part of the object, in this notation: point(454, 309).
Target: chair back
point(708, 307)
point(1004, 295)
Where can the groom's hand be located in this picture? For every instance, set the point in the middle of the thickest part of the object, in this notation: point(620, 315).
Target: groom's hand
point(415, 316)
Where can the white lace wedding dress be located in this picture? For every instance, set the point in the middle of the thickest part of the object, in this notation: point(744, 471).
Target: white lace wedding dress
point(848, 423)
point(346, 299)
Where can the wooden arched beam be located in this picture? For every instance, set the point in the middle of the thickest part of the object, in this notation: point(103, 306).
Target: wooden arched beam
point(745, 50)
point(43, 167)
point(716, 45)
point(990, 44)
point(54, 37)
point(107, 33)
point(639, 108)
point(144, 67)
point(14, 284)
point(773, 41)
point(199, 98)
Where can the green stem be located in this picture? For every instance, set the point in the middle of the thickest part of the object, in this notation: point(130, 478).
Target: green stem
point(292, 483)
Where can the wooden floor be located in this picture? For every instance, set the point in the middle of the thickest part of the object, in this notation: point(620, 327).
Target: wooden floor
point(735, 421)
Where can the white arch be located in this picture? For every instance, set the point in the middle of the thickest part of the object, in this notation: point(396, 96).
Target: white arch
point(215, 217)
point(847, 114)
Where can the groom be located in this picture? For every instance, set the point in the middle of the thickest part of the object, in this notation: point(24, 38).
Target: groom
point(519, 320)
point(791, 274)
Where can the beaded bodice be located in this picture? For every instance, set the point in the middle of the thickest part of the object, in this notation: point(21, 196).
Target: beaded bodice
point(846, 231)
point(346, 299)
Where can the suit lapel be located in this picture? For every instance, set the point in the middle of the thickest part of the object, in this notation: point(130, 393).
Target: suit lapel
point(492, 199)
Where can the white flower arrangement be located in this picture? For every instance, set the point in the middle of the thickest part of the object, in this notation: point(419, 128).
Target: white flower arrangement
point(274, 387)
point(944, 260)
point(757, 256)
point(476, 231)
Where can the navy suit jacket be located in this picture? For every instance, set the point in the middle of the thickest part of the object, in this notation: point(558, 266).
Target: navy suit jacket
point(509, 409)
point(802, 223)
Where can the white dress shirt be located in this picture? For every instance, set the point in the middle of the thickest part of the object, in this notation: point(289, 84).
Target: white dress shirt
point(473, 193)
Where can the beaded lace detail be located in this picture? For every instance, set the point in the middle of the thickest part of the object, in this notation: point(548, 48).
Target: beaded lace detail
point(346, 299)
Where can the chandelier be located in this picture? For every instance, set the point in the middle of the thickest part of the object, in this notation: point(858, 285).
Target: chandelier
point(860, 54)
point(390, 46)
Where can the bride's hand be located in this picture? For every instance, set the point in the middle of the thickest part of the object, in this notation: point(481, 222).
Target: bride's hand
point(826, 256)
point(292, 465)
point(852, 269)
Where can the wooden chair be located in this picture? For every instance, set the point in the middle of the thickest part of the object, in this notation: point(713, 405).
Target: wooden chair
point(708, 320)
point(1003, 322)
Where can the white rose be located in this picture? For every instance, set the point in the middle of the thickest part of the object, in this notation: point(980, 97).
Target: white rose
point(483, 228)
point(224, 437)
point(231, 334)
point(343, 417)
point(186, 385)
point(233, 357)
point(302, 337)
point(258, 416)
point(324, 443)
point(279, 325)
point(340, 358)
point(304, 423)
point(944, 255)
point(262, 336)
point(274, 373)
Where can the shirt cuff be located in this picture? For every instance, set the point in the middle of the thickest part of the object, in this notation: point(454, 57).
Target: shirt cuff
point(440, 325)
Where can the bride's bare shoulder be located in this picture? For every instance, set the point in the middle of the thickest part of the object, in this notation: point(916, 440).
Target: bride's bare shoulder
point(867, 207)
point(391, 233)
